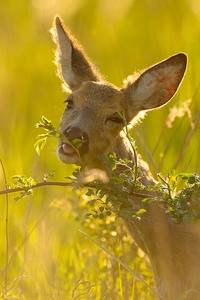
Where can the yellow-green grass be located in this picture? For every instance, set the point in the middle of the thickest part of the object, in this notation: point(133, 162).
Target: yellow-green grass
point(48, 257)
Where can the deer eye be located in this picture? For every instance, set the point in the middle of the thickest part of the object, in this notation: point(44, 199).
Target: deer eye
point(69, 104)
point(116, 119)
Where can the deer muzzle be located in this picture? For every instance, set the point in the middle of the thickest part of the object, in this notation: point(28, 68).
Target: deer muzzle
point(74, 144)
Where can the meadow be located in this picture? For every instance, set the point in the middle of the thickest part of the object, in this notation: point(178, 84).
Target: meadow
point(43, 252)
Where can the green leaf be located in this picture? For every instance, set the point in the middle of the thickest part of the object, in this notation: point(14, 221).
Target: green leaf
point(77, 141)
point(108, 213)
point(39, 145)
point(192, 179)
point(88, 215)
point(92, 202)
point(90, 192)
point(112, 161)
point(171, 173)
point(51, 131)
point(95, 216)
point(148, 200)
point(101, 216)
point(111, 198)
point(119, 180)
point(140, 212)
point(184, 176)
point(23, 195)
point(23, 181)
point(102, 193)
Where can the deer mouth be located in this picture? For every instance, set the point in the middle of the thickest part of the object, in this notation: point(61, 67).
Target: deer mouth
point(67, 149)
point(67, 154)
point(73, 151)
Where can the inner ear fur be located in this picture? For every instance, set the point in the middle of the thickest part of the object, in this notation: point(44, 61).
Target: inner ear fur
point(155, 86)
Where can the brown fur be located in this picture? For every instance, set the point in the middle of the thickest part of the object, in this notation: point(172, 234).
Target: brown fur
point(93, 114)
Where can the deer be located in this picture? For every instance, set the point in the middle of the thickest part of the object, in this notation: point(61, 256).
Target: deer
point(93, 113)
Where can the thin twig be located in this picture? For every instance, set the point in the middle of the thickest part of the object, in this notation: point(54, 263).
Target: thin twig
point(39, 184)
point(132, 146)
point(167, 186)
point(60, 183)
point(6, 220)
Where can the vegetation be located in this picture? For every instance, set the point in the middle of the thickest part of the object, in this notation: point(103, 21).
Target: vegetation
point(44, 253)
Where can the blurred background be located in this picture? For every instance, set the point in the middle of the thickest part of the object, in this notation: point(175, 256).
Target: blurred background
point(48, 257)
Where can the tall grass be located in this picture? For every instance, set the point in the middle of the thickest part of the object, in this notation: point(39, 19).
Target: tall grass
point(48, 258)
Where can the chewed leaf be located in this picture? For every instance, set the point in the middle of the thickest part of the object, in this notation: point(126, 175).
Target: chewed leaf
point(77, 141)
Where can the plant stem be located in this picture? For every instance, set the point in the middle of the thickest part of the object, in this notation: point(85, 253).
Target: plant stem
point(132, 146)
point(6, 220)
point(167, 185)
point(59, 183)
point(134, 154)
point(39, 184)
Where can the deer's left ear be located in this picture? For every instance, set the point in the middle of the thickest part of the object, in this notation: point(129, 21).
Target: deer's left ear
point(156, 85)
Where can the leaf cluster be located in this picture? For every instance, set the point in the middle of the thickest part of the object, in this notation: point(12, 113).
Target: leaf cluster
point(115, 196)
point(51, 131)
point(179, 194)
point(182, 196)
point(21, 181)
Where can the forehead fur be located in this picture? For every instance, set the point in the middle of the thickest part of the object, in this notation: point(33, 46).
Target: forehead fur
point(99, 92)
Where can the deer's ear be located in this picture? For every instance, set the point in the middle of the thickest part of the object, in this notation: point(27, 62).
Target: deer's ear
point(156, 85)
point(73, 65)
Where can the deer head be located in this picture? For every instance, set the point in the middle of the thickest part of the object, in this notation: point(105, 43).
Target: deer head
point(97, 111)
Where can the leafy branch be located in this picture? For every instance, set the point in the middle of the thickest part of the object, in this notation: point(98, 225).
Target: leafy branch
point(30, 184)
point(178, 194)
point(26, 190)
point(52, 131)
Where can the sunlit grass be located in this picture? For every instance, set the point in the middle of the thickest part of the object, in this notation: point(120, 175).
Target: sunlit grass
point(48, 257)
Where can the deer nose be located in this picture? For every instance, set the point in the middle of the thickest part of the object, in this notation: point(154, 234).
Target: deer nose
point(72, 133)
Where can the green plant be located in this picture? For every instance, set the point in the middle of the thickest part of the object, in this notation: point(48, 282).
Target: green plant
point(178, 193)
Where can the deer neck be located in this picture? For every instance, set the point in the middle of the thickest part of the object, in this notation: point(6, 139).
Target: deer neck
point(123, 148)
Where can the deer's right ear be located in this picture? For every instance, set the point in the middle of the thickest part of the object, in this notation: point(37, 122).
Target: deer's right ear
point(156, 86)
point(74, 67)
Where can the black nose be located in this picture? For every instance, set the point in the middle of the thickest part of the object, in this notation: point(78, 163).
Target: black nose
point(72, 133)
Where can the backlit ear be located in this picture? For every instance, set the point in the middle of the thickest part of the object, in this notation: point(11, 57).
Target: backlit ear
point(74, 67)
point(156, 85)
